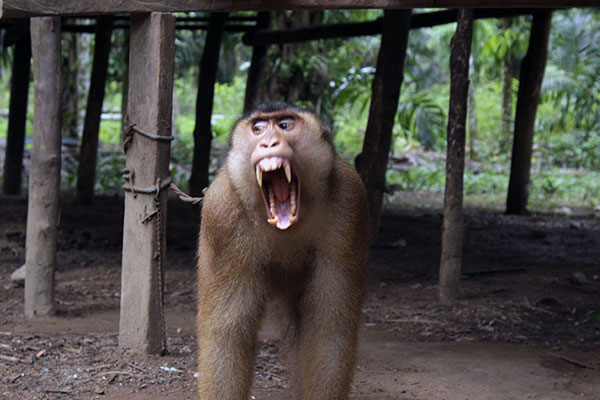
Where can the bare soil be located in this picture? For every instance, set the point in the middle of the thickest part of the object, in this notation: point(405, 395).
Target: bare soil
point(526, 325)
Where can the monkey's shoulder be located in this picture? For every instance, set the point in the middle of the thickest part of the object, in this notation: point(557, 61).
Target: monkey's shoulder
point(220, 211)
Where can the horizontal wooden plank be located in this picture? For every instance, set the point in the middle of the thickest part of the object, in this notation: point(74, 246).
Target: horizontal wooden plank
point(29, 8)
point(346, 30)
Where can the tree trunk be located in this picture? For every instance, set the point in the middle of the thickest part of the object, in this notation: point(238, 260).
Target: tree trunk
point(44, 171)
point(453, 227)
point(257, 66)
point(17, 116)
point(530, 84)
point(204, 104)
point(141, 326)
point(372, 162)
point(86, 174)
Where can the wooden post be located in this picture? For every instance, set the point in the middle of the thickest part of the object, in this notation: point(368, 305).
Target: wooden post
point(17, 115)
point(453, 228)
point(141, 327)
point(204, 104)
point(372, 162)
point(530, 84)
point(44, 170)
point(125, 83)
point(88, 154)
point(257, 66)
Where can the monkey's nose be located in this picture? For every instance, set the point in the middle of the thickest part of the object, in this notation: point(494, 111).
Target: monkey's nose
point(274, 142)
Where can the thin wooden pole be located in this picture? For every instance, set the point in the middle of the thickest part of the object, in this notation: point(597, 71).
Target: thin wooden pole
point(530, 85)
point(141, 327)
point(44, 170)
point(88, 154)
point(204, 104)
point(257, 66)
point(453, 227)
point(372, 162)
point(17, 116)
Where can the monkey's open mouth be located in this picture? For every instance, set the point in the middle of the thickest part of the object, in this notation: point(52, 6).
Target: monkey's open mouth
point(279, 183)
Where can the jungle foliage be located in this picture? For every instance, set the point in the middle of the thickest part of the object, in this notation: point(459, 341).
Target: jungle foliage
point(334, 77)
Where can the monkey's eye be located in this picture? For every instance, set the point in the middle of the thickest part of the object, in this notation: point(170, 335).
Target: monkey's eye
point(259, 127)
point(286, 124)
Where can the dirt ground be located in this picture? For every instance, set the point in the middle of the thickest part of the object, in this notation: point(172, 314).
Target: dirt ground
point(526, 325)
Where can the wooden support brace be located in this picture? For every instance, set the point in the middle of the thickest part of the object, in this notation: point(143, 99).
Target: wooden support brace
point(17, 116)
point(530, 86)
point(372, 162)
point(88, 153)
point(453, 227)
point(141, 327)
point(44, 170)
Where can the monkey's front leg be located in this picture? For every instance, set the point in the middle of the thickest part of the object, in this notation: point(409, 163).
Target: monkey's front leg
point(229, 315)
point(328, 332)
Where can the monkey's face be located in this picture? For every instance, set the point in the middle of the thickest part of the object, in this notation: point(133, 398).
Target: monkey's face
point(282, 151)
point(274, 166)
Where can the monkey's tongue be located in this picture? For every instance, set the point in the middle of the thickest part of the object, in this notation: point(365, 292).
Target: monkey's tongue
point(282, 202)
point(280, 186)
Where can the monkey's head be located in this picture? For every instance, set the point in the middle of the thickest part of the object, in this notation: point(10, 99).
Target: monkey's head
point(287, 155)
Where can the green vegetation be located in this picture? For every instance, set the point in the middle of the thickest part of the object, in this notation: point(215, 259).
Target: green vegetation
point(336, 77)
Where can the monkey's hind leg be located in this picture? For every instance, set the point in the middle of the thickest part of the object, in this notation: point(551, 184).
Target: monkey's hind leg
point(328, 334)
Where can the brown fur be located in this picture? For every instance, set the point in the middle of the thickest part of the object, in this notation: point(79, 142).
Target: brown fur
point(313, 273)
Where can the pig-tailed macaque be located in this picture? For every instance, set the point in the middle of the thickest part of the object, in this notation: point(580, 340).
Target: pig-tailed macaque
point(285, 223)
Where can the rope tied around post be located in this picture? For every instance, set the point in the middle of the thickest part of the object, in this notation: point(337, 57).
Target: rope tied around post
point(130, 129)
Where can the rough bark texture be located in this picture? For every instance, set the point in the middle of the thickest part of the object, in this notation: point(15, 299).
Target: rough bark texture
point(530, 84)
point(86, 173)
point(28, 8)
point(150, 99)
point(17, 115)
point(372, 162)
point(453, 227)
point(204, 104)
point(257, 66)
point(44, 170)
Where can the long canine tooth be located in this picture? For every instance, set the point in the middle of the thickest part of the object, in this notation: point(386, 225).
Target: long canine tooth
point(259, 174)
point(288, 173)
point(273, 221)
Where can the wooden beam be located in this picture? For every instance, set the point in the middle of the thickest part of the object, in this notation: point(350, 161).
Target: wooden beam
point(44, 169)
point(257, 66)
point(17, 115)
point(530, 85)
point(453, 227)
point(352, 29)
point(372, 162)
point(207, 76)
point(152, 49)
point(31, 8)
point(88, 152)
